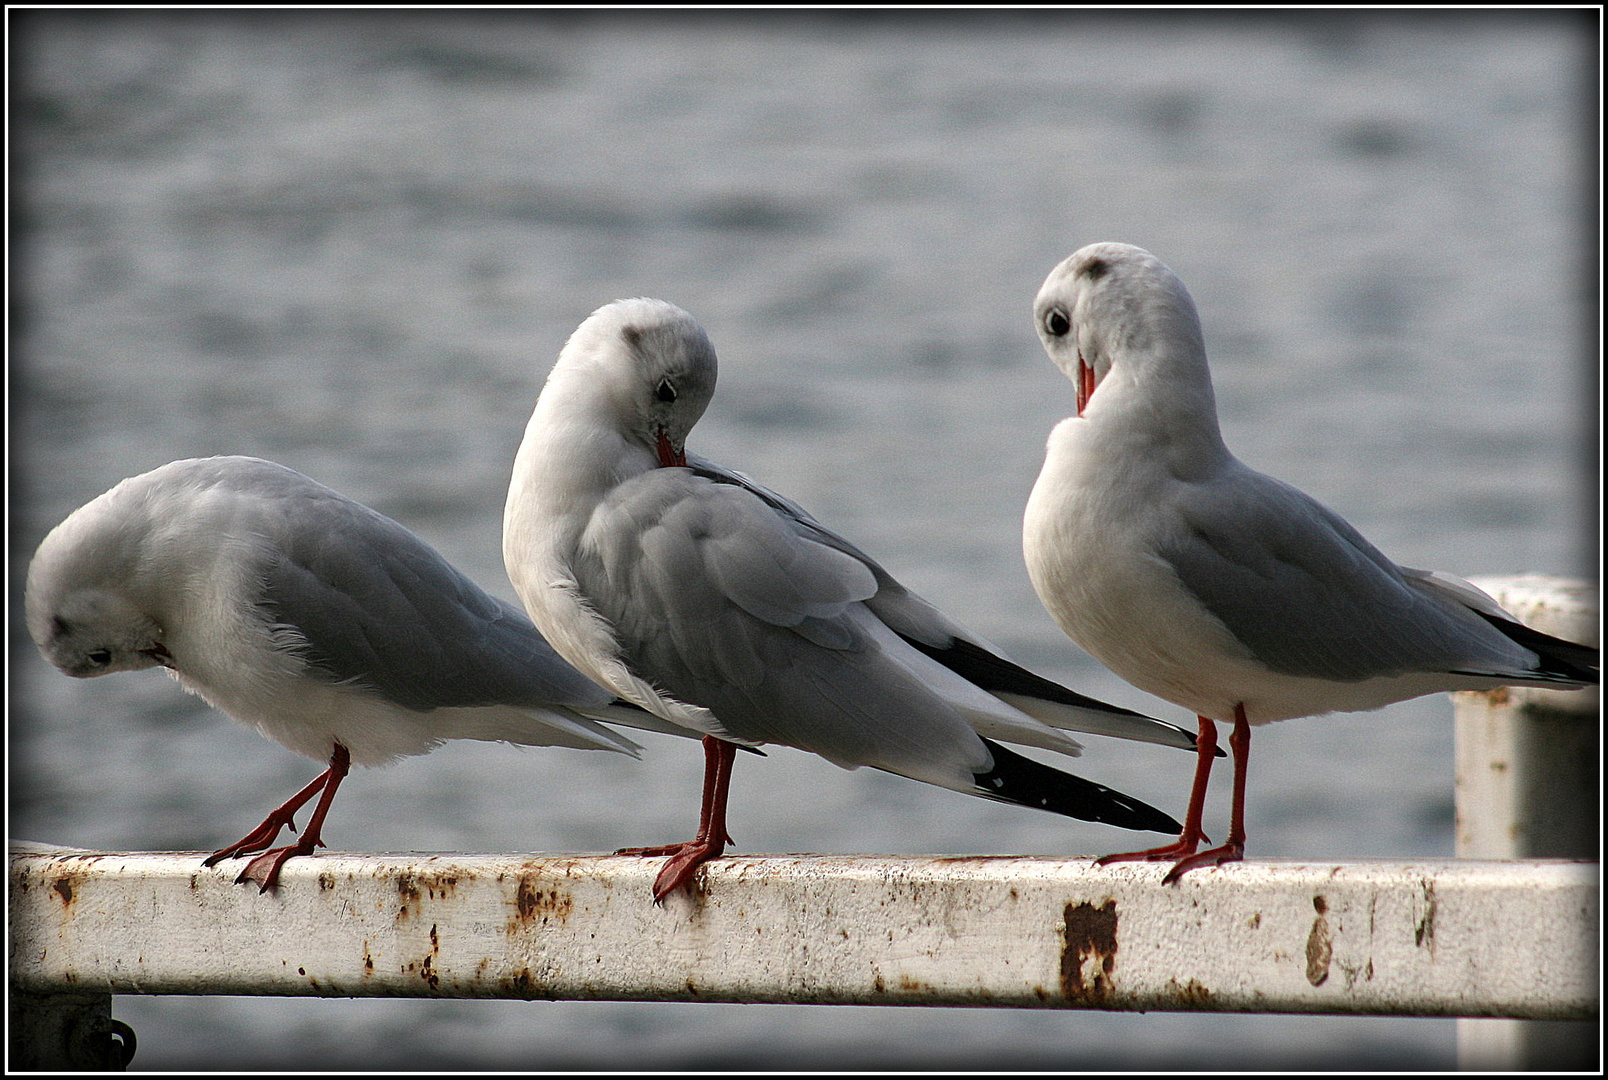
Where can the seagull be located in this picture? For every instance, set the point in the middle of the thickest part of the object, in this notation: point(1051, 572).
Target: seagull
point(692, 591)
point(1212, 585)
point(315, 620)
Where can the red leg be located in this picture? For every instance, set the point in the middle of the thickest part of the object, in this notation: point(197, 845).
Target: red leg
point(264, 869)
point(264, 834)
point(712, 837)
point(1233, 849)
point(1190, 838)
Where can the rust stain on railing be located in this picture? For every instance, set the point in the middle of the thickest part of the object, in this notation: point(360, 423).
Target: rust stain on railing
point(1089, 936)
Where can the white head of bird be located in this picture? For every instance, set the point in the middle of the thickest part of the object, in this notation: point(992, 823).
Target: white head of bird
point(651, 403)
point(1122, 327)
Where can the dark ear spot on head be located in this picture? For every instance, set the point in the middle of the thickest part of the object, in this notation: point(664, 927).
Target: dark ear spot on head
point(1096, 269)
point(59, 627)
point(632, 336)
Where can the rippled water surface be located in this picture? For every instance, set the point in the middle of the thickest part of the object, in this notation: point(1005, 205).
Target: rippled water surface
point(354, 244)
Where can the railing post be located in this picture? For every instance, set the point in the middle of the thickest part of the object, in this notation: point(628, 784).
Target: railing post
point(1527, 787)
point(63, 1032)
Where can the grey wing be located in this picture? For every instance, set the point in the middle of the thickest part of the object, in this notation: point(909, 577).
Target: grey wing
point(1539, 658)
point(789, 511)
point(373, 605)
point(719, 601)
point(971, 657)
point(1306, 593)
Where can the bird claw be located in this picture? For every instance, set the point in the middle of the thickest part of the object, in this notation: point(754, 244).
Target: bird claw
point(674, 849)
point(650, 852)
point(1182, 847)
point(257, 839)
point(681, 867)
point(264, 869)
point(685, 858)
point(1217, 856)
point(244, 846)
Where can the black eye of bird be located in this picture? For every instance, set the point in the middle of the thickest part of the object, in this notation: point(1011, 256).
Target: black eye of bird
point(666, 392)
point(1056, 323)
point(100, 657)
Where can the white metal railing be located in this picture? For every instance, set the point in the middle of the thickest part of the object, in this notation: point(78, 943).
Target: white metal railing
point(1421, 939)
point(1473, 937)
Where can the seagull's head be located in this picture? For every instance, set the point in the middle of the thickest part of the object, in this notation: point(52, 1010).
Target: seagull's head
point(1107, 304)
point(83, 621)
point(650, 366)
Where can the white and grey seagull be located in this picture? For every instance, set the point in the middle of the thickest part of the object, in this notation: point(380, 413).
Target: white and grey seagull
point(1212, 585)
point(319, 622)
point(697, 594)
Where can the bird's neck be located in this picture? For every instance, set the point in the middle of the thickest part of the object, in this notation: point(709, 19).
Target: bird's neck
point(566, 466)
point(1156, 403)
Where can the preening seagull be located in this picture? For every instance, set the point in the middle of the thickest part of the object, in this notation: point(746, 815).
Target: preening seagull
point(1209, 584)
point(315, 620)
point(722, 607)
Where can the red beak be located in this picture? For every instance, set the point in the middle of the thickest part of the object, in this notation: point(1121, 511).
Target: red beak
point(1085, 383)
point(668, 454)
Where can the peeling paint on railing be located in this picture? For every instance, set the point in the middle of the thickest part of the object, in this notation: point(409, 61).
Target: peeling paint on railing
point(1423, 939)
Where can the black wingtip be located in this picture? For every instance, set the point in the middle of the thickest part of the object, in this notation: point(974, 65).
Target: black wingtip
point(1021, 780)
point(996, 674)
point(1565, 660)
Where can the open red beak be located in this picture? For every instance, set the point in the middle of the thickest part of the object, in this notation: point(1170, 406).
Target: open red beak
point(1085, 383)
point(668, 453)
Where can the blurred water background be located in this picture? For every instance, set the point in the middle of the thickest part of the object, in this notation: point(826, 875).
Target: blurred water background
point(353, 243)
